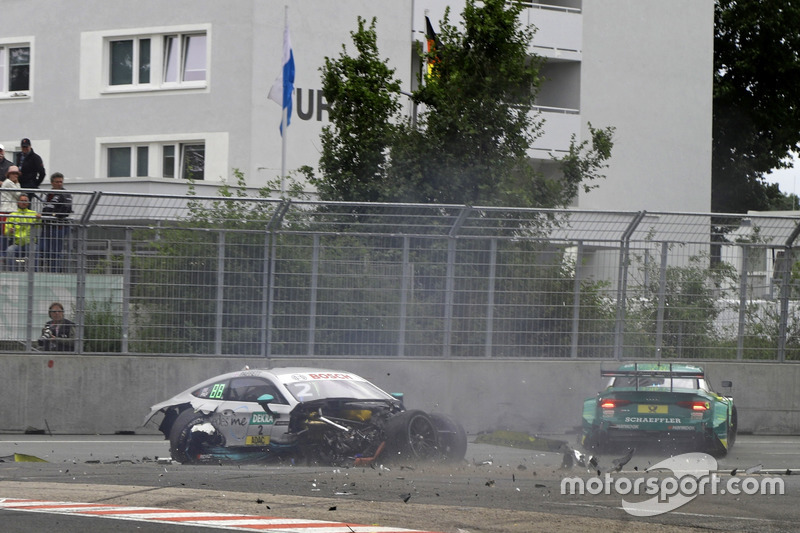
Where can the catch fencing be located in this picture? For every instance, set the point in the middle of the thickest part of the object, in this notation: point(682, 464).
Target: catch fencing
point(241, 276)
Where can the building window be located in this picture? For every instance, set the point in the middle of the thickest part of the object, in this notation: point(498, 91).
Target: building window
point(184, 58)
point(150, 61)
point(130, 62)
point(119, 162)
point(177, 160)
point(185, 161)
point(15, 70)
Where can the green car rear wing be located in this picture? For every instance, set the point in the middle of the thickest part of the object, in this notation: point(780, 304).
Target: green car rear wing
point(650, 370)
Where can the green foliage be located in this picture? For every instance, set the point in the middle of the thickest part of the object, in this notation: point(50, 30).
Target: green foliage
point(478, 119)
point(583, 164)
point(362, 96)
point(102, 330)
point(477, 122)
point(756, 121)
point(693, 299)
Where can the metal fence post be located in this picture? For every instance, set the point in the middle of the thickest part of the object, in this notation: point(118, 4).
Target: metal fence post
point(742, 303)
point(220, 307)
point(312, 303)
point(80, 289)
point(126, 290)
point(576, 302)
point(405, 284)
point(30, 264)
point(271, 252)
point(786, 279)
point(449, 297)
point(270, 298)
point(490, 297)
point(622, 282)
point(662, 296)
point(265, 278)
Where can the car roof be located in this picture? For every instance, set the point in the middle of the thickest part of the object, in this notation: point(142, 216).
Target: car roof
point(281, 373)
point(665, 367)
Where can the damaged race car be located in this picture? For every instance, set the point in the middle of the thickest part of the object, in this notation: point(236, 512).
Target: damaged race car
point(312, 415)
point(655, 401)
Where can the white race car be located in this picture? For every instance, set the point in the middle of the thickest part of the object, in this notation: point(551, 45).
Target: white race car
point(314, 415)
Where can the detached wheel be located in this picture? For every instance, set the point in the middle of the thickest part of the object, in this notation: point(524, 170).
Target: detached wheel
point(412, 435)
point(452, 438)
point(186, 446)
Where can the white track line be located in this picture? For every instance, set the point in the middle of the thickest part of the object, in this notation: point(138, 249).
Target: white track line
point(232, 522)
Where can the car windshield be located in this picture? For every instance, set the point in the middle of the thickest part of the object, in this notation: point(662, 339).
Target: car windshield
point(305, 391)
point(650, 382)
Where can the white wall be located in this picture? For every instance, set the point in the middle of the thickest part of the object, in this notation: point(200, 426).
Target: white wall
point(647, 70)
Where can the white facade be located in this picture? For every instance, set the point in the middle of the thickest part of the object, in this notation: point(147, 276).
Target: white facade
point(119, 93)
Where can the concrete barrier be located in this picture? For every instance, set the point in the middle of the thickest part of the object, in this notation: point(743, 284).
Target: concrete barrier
point(69, 394)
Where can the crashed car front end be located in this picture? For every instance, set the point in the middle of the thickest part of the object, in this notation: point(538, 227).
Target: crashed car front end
point(341, 431)
point(313, 416)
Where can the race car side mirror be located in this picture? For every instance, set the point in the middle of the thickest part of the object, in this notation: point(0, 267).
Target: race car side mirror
point(727, 384)
point(398, 396)
point(264, 400)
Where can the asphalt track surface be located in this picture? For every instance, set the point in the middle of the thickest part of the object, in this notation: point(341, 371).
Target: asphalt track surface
point(120, 481)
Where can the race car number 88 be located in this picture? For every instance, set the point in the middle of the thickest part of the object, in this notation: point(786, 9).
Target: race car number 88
point(216, 392)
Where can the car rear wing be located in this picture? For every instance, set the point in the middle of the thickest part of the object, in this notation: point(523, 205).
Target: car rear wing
point(653, 373)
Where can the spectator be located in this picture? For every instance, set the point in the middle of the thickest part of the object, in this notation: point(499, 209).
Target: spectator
point(57, 207)
point(8, 201)
point(30, 166)
point(18, 230)
point(5, 164)
point(58, 334)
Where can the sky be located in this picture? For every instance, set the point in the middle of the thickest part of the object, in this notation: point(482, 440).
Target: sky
point(788, 179)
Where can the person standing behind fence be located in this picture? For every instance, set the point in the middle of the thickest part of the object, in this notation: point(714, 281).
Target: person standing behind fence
point(58, 334)
point(30, 166)
point(8, 201)
point(57, 206)
point(19, 229)
point(5, 164)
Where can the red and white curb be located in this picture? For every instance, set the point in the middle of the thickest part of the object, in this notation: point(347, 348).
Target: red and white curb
point(232, 522)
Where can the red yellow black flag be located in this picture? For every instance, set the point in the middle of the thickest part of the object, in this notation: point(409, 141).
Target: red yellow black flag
point(434, 46)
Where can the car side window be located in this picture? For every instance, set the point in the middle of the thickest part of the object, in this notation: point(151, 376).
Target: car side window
point(214, 391)
point(249, 389)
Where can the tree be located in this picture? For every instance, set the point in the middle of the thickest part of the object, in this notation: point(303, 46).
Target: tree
point(363, 102)
point(479, 120)
point(756, 122)
point(470, 144)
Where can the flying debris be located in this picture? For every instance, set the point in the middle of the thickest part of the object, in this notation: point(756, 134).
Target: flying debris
point(622, 461)
point(573, 456)
point(568, 460)
point(754, 469)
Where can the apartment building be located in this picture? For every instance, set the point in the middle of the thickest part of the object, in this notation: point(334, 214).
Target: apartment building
point(139, 96)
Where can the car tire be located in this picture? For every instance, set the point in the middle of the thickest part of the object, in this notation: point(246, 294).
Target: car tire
point(411, 435)
point(186, 446)
point(452, 438)
point(733, 428)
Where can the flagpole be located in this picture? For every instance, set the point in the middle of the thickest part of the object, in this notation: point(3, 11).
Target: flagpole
point(284, 119)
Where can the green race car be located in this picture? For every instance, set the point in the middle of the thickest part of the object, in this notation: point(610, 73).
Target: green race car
point(654, 401)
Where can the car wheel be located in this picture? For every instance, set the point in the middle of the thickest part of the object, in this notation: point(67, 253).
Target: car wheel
point(411, 435)
point(733, 428)
point(452, 437)
point(186, 446)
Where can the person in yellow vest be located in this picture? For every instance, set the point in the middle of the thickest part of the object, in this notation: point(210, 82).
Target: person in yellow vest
point(19, 231)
